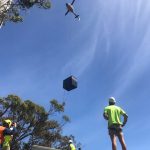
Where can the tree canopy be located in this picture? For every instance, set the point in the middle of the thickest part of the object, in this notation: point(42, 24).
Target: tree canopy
point(12, 9)
point(35, 125)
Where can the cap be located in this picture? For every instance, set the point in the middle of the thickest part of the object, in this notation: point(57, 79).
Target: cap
point(112, 100)
point(70, 141)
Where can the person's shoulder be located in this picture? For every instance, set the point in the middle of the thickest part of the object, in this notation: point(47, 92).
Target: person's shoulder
point(114, 107)
point(106, 107)
point(117, 107)
point(109, 107)
point(2, 128)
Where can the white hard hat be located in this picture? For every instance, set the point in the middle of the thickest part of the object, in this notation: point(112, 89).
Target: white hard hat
point(70, 141)
point(112, 100)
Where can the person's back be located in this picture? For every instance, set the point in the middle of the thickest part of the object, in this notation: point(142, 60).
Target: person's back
point(71, 145)
point(113, 114)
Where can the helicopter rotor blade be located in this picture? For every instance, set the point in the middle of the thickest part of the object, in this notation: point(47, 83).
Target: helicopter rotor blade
point(72, 2)
point(66, 12)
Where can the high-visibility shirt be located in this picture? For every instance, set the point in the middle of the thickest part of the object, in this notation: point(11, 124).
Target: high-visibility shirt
point(72, 147)
point(114, 114)
point(7, 140)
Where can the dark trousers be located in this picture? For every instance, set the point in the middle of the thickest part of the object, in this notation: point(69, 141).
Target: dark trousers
point(0, 146)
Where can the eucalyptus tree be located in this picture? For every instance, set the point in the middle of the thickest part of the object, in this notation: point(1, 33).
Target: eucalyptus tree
point(11, 10)
point(35, 124)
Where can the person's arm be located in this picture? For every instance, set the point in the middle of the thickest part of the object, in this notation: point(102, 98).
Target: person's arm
point(125, 119)
point(11, 131)
point(105, 115)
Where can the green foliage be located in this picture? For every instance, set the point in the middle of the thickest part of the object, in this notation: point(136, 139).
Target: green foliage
point(46, 5)
point(30, 3)
point(16, 19)
point(16, 8)
point(56, 107)
point(34, 123)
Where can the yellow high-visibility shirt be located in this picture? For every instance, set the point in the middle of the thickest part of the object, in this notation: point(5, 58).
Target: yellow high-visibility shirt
point(114, 114)
point(72, 147)
point(7, 140)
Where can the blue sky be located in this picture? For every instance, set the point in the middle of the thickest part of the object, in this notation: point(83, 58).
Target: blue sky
point(108, 51)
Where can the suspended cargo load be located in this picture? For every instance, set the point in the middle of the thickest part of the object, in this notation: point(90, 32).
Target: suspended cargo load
point(70, 83)
point(4, 7)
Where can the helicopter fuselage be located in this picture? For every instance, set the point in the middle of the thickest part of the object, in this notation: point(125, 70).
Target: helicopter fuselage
point(69, 7)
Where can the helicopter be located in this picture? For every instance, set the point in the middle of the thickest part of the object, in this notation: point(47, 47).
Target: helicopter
point(70, 8)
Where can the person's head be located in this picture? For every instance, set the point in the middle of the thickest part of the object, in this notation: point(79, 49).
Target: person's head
point(7, 123)
point(70, 141)
point(112, 101)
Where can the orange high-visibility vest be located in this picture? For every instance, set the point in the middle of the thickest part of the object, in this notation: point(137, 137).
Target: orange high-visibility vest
point(1, 134)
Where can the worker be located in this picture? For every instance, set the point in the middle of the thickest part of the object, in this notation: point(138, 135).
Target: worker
point(71, 145)
point(2, 128)
point(8, 132)
point(113, 114)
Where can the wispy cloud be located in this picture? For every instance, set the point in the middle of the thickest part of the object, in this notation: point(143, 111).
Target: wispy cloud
point(140, 62)
point(130, 22)
point(85, 55)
